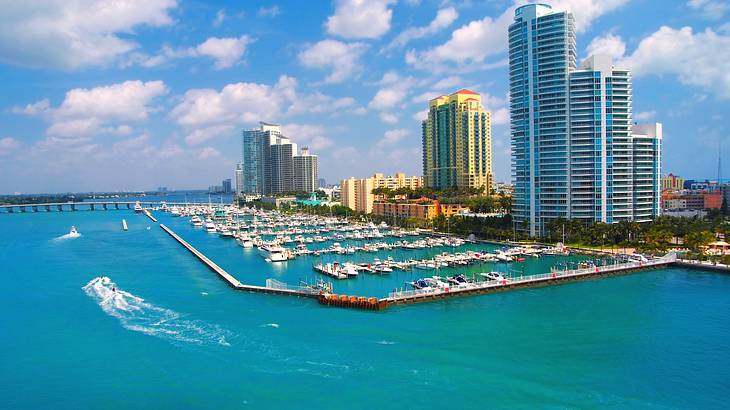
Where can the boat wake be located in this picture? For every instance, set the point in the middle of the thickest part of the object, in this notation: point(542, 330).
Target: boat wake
point(140, 316)
point(67, 236)
point(274, 325)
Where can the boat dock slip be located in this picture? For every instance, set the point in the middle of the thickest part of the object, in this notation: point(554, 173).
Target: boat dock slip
point(555, 276)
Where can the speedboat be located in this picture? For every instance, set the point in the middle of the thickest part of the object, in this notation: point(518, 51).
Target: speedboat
point(492, 276)
point(137, 207)
point(458, 280)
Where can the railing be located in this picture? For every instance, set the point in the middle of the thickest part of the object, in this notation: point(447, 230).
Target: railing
point(553, 274)
point(278, 285)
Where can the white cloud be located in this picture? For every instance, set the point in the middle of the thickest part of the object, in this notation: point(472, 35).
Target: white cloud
point(36, 108)
point(226, 52)
point(474, 42)
point(248, 103)
point(500, 116)
point(201, 135)
point(169, 150)
point(392, 137)
point(127, 101)
point(100, 110)
point(710, 9)
point(443, 19)
point(470, 43)
point(341, 58)
point(699, 59)
point(421, 115)
point(220, 17)
point(209, 152)
point(609, 44)
point(389, 117)
point(587, 11)
point(71, 34)
point(645, 115)
point(310, 135)
point(7, 145)
point(360, 18)
point(272, 11)
point(137, 143)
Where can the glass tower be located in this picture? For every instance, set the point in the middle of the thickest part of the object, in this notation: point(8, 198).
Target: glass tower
point(573, 151)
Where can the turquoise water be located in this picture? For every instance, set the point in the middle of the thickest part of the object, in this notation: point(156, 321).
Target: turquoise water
point(656, 339)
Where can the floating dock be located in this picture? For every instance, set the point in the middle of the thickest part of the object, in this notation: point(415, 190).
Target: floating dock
point(149, 215)
point(124, 225)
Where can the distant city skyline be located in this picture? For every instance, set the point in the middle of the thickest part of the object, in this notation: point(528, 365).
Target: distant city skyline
point(156, 94)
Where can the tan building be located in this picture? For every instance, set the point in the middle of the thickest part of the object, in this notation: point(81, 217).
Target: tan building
point(419, 209)
point(672, 183)
point(357, 194)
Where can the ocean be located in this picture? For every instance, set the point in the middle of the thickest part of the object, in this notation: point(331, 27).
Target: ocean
point(173, 335)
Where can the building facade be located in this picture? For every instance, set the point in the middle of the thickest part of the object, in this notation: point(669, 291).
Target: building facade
point(239, 178)
point(271, 164)
point(418, 209)
point(357, 193)
point(457, 142)
point(305, 171)
point(574, 152)
point(672, 182)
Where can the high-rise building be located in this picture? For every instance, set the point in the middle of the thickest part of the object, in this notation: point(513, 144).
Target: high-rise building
point(239, 178)
point(357, 194)
point(457, 142)
point(271, 164)
point(574, 155)
point(305, 171)
point(226, 186)
point(256, 144)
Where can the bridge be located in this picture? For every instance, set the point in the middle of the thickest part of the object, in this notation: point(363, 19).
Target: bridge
point(88, 206)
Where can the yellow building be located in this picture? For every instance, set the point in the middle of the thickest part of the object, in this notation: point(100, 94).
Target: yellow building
point(457, 142)
point(672, 183)
point(357, 194)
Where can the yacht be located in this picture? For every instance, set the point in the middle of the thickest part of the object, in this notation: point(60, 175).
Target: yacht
point(174, 211)
point(245, 241)
point(196, 221)
point(72, 233)
point(137, 207)
point(274, 253)
point(209, 226)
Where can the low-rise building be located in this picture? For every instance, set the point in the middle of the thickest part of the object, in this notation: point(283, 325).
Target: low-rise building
point(672, 182)
point(357, 193)
point(423, 208)
point(692, 200)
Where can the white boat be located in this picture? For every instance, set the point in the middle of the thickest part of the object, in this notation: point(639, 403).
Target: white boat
point(174, 211)
point(245, 241)
point(196, 221)
point(492, 276)
point(73, 233)
point(210, 226)
point(137, 207)
point(274, 253)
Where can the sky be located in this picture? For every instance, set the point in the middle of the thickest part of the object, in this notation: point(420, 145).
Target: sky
point(135, 94)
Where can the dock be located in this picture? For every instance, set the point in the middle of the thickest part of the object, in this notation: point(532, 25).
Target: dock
point(272, 287)
point(149, 215)
point(706, 265)
point(554, 277)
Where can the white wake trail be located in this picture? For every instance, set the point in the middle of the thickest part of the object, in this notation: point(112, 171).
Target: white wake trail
point(137, 315)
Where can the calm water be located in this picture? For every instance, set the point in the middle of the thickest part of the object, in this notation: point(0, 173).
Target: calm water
point(178, 337)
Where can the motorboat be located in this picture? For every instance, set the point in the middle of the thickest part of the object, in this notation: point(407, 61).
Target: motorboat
point(196, 221)
point(492, 276)
point(245, 241)
point(274, 253)
point(137, 207)
point(210, 226)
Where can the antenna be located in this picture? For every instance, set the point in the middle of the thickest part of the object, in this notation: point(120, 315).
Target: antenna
point(719, 159)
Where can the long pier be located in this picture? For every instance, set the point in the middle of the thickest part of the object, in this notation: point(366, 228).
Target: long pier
point(231, 280)
point(88, 206)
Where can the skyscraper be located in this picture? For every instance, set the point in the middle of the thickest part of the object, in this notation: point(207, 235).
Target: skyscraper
point(271, 164)
point(239, 178)
point(226, 186)
point(305, 171)
point(457, 142)
point(572, 142)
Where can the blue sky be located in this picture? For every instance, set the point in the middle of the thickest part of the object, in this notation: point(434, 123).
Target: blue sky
point(137, 94)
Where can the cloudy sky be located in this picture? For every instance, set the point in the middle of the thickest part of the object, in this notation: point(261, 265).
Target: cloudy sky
point(135, 94)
